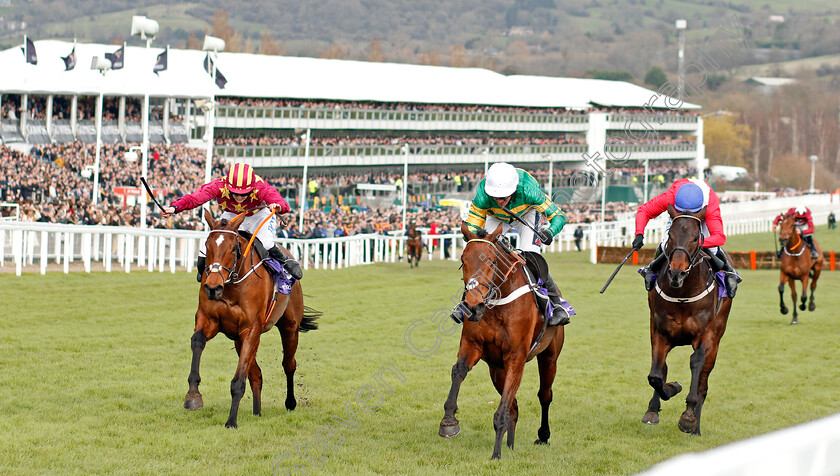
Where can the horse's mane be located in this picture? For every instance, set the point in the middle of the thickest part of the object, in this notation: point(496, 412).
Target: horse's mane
point(482, 233)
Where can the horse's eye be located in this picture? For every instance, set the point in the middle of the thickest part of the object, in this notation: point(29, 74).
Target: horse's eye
point(696, 238)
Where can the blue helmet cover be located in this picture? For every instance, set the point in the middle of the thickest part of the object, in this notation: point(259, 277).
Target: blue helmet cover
point(689, 198)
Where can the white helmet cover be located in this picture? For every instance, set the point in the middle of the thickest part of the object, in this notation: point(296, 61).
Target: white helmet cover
point(501, 180)
point(801, 210)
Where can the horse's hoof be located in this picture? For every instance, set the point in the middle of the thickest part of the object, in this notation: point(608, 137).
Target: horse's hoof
point(688, 423)
point(231, 424)
point(795, 320)
point(812, 307)
point(541, 442)
point(802, 307)
point(449, 427)
point(291, 404)
point(651, 418)
point(193, 402)
point(784, 310)
point(496, 456)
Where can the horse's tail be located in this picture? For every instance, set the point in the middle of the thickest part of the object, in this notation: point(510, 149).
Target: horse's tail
point(309, 317)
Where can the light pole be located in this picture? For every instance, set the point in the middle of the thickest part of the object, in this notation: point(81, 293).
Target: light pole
point(102, 65)
point(303, 183)
point(813, 160)
point(146, 29)
point(681, 26)
point(647, 172)
point(211, 45)
point(405, 186)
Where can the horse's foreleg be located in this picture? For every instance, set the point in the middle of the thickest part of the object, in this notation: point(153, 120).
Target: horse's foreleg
point(247, 357)
point(689, 421)
point(467, 358)
point(782, 308)
point(657, 377)
point(497, 376)
point(804, 297)
point(255, 379)
point(203, 333)
point(706, 365)
point(792, 284)
point(502, 418)
point(289, 334)
point(547, 363)
point(817, 269)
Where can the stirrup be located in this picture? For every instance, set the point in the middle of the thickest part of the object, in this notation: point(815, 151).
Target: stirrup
point(559, 316)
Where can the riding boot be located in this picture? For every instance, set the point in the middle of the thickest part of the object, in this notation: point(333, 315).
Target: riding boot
point(649, 271)
point(200, 263)
point(731, 278)
point(292, 266)
point(809, 240)
point(559, 316)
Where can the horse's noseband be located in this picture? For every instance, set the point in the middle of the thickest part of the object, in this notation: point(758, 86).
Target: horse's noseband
point(693, 258)
point(237, 254)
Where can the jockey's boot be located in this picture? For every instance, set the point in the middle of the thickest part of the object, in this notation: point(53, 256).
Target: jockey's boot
point(779, 253)
point(559, 316)
point(289, 264)
point(649, 271)
point(809, 240)
point(731, 278)
point(200, 263)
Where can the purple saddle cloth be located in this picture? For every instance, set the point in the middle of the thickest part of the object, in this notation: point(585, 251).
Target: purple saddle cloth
point(549, 309)
point(283, 281)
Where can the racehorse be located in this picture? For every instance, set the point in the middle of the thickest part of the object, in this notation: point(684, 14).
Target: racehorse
point(797, 265)
point(505, 335)
point(686, 308)
point(235, 298)
point(414, 246)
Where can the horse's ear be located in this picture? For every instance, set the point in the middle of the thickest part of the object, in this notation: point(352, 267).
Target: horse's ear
point(237, 220)
point(465, 230)
point(208, 217)
point(701, 213)
point(672, 212)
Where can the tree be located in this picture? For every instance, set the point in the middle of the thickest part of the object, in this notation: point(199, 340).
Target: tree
point(268, 45)
point(375, 54)
point(727, 143)
point(656, 77)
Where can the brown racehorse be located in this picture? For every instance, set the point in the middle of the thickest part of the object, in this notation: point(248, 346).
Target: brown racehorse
point(685, 309)
point(505, 335)
point(797, 265)
point(414, 246)
point(235, 295)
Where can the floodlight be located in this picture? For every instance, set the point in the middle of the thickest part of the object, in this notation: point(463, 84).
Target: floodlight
point(681, 24)
point(144, 27)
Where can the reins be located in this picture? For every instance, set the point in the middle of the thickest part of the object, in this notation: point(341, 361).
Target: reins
point(694, 259)
point(233, 273)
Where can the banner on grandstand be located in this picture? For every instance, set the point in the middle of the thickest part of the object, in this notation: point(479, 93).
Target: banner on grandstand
point(209, 66)
point(117, 58)
point(29, 53)
point(70, 60)
point(162, 60)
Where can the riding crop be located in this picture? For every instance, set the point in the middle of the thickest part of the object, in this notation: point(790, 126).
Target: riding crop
point(616, 271)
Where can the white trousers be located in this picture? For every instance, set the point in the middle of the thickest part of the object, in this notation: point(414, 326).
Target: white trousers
point(266, 234)
point(527, 240)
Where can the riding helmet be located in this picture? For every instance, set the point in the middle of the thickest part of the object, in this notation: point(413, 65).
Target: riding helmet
point(501, 180)
point(240, 179)
point(689, 198)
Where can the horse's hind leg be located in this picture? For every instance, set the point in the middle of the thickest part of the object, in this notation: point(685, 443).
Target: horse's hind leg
point(205, 330)
point(792, 284)
point(247, 357)
point(657, 378)
point(782, 308)
point(804, 297)
point(817, 269)
point(289, 333)
point(468, 355)
point(256, 381)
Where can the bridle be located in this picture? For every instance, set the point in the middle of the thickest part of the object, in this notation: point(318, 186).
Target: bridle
point(799, 241)
point(493, 289)
point(237, 255)
point(693, 258)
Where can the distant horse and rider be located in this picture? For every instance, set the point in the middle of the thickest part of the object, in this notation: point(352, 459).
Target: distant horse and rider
point(414, 245)
point(795, 228)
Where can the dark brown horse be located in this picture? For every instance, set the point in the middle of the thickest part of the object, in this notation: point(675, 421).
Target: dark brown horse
point(685, 309)
point(235, 297)
point(797, 265)
point(414, 246)
point(505, 335)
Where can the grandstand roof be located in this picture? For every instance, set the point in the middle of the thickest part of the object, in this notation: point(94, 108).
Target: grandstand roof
point(261, 76)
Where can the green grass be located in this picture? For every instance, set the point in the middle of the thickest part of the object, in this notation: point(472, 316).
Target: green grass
point(95, 369)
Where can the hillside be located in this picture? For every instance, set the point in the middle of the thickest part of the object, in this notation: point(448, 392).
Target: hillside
point(548, 37)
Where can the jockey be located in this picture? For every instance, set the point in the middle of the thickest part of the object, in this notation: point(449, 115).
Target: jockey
point(516, 190)
point(805, 223)
point(688, 195)
point(240, 190)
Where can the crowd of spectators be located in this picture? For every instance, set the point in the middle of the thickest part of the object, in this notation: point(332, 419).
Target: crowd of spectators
point(36, 108)
point(373, 140)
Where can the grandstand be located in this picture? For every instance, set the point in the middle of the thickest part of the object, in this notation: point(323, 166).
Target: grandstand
point(364, 117)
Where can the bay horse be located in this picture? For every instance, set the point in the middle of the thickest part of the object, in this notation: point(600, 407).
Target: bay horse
point(235, 297)
point(503, 334)
point(797, 265)
point(686, 308)
point(414, 246)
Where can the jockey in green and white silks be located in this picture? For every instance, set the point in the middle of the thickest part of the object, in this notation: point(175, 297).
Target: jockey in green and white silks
point(516, 190)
